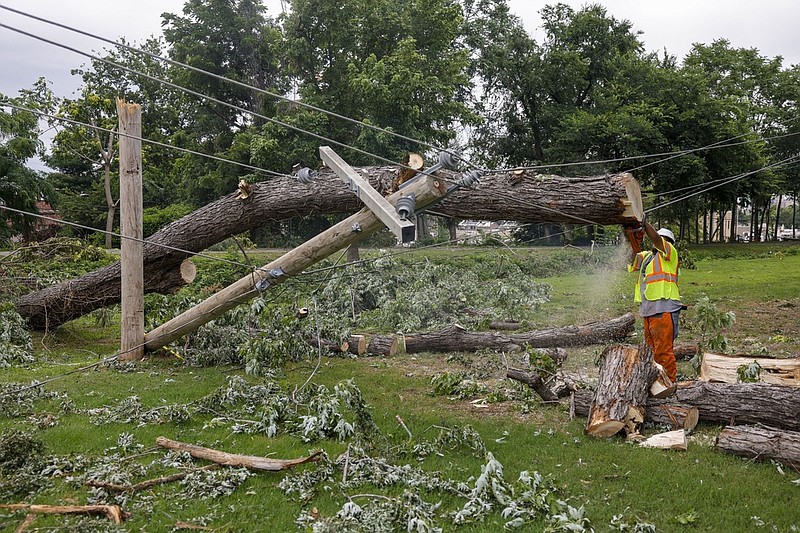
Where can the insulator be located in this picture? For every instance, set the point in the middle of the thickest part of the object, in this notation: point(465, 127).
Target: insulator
point(469, 178)
point(306, 175)
point(405, 207)
point(448, 159)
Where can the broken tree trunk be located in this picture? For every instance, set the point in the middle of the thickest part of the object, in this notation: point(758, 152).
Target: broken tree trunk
point(457, 339)
point(762, 443)
point(741, 403)
point(252, 462)
point(499, 197)
point(626, 373)
point(724, 368)
point(534, 381)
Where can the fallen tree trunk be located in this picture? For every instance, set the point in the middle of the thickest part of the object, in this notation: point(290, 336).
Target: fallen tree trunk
point(252, 462)
point(626, 374)
point(762, 443)
point(457, 339)
point(727, 403)
point(725, 369)
point(499, 197)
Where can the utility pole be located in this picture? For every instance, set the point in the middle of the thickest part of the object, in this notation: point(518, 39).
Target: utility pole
point(425, 190)
point(130, 194)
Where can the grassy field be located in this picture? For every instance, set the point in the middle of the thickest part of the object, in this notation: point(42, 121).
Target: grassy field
point(90, 427)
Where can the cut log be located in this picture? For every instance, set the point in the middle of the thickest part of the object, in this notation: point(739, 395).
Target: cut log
point(724, 369)
point(252, 462)
point(113, 512)
point(762, 443)
point(671, 440)
point(456, 338)
point(626, 373)
point(497, 198)
point(727, 403)
point(534, 381)
point(662, 386)
point(684, 352)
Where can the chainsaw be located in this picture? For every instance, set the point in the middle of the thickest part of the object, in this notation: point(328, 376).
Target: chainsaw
point(635, 234)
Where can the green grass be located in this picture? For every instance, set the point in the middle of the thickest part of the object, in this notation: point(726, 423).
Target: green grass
point(697, 490)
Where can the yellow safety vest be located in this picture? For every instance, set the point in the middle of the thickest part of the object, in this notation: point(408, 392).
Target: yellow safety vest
point(660, 275)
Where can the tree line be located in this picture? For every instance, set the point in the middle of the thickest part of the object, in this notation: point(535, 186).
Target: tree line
point(411, 76)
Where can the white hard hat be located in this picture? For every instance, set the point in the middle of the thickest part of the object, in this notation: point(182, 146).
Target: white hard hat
point(664, 232)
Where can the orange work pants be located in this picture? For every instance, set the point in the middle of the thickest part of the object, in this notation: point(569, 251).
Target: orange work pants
point(658, 334)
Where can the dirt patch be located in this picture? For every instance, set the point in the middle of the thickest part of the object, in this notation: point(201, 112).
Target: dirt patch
point(767, 329)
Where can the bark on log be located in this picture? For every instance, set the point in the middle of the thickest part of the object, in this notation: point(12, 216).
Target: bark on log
point(727, 403)
point(457, 339)
point(684, 352)
point(724, 368)
point(498, 197)
point(626, 373)
point(762, 443)
point(252, 462)
point(534, 381)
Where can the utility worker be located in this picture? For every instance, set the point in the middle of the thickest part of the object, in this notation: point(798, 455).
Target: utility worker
point(657, 292)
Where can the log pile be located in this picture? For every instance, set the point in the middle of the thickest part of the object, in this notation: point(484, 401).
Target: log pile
point(726, 403)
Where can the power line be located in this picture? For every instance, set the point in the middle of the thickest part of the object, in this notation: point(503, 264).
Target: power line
point(203, 96)
point(173, 62)
point(143, 139)
point(787, 161)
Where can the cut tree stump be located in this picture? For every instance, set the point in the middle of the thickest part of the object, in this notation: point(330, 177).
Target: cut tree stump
point(724, 369)
point(626, 374)
point(500, 196)
point(252, 462)
point(762, 443)
point(727, 403)
point(456, 338)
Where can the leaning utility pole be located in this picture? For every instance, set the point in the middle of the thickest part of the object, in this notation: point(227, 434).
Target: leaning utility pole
point(130, 194)
point(424, 190)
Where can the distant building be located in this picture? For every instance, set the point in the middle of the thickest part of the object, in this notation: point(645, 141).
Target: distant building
point(44, 228)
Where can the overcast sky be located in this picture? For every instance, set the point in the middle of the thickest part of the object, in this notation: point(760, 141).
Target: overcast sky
point(771, 26)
